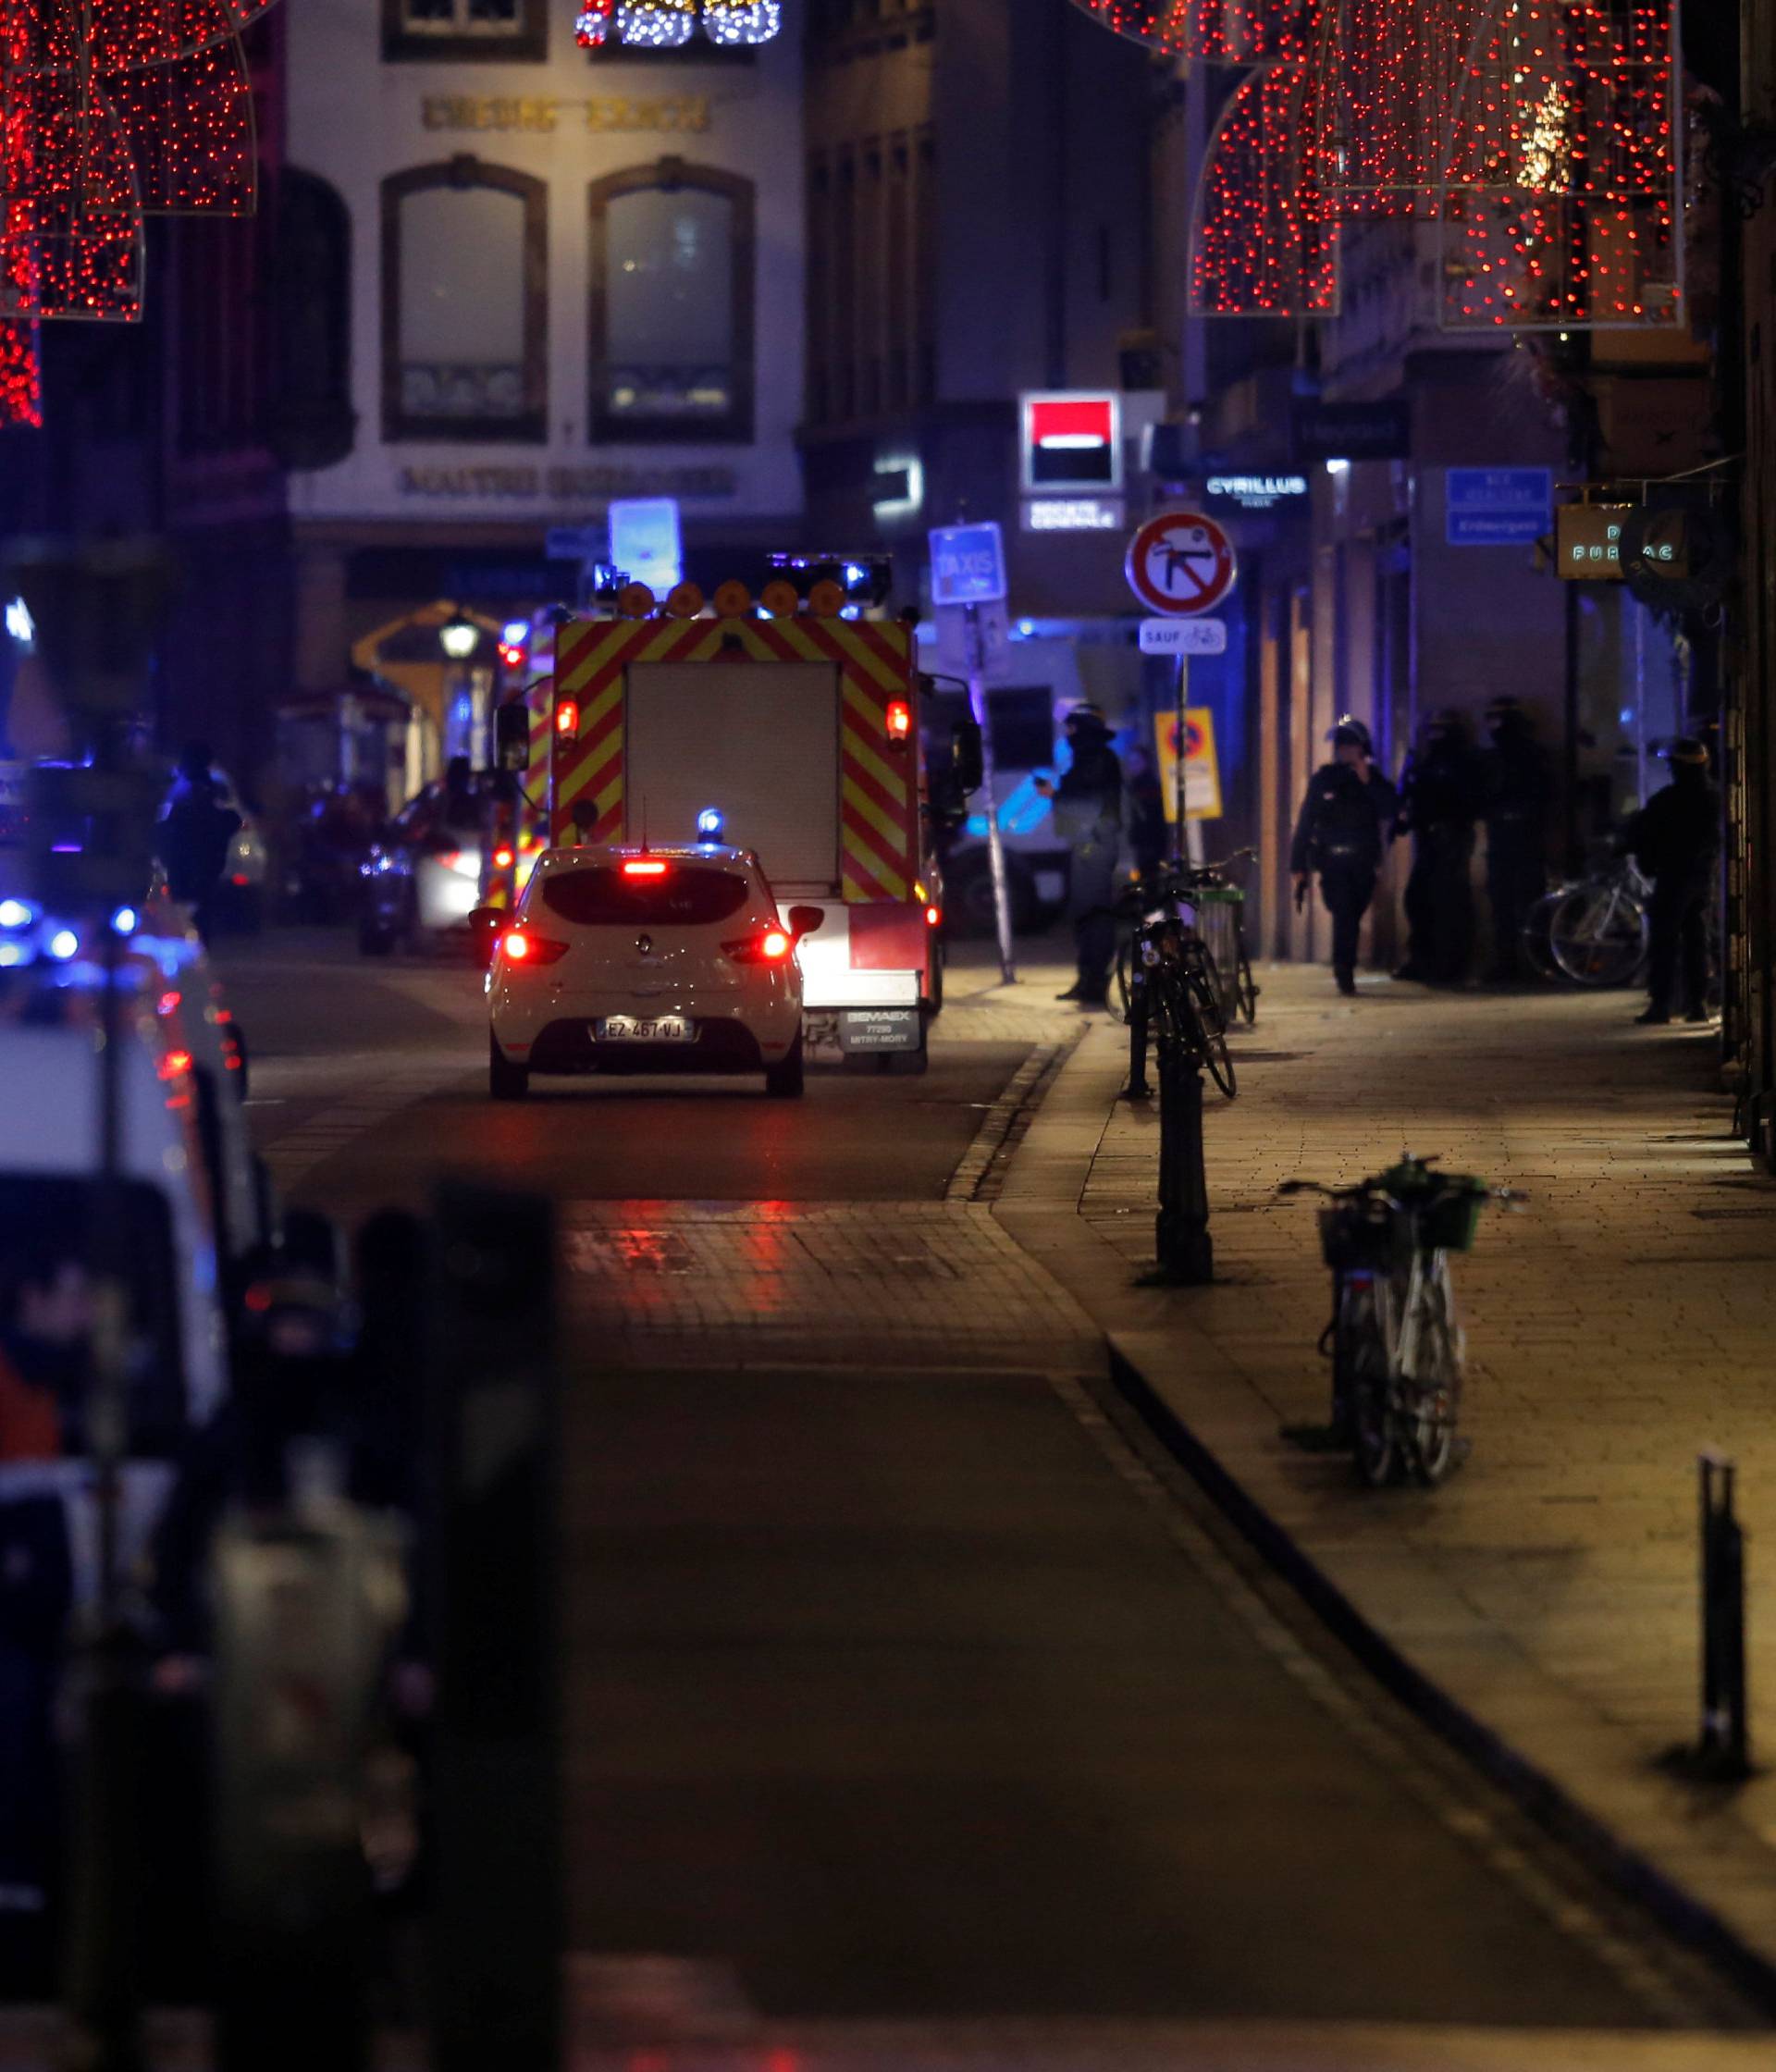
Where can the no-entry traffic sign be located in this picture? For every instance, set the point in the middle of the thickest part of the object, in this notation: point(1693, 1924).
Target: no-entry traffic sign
point(1180, 563)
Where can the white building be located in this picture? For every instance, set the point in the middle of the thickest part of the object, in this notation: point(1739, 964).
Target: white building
point(571, 275)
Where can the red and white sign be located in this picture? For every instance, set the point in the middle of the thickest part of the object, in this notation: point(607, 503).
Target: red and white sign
point(1072, 440)
point(1180, 563)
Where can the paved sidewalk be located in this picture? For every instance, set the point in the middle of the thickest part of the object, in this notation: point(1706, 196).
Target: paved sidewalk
point(1627, 1319)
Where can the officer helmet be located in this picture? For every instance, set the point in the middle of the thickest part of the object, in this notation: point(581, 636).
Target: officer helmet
point(1447, 721)
point(1087, 715)
point(1349, 729)
point(1686, 749)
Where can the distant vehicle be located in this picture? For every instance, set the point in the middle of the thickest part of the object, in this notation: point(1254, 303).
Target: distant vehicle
point(625, 959)
point(422, 880)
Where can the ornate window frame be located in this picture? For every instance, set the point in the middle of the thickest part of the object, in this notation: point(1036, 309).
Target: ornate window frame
point(530, 426)
point(736, 428)
point(528, 44)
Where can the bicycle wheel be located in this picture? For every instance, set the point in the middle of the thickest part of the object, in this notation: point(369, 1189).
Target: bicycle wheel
point(1535, 946)
point(1598, 935)
point(1245, 989)
point(1202, 987)
point(1362, 1336)
point(1436, 1388)
point(1122, 979)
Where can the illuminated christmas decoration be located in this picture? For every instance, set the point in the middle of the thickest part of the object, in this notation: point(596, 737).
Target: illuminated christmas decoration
point(107, 116)
point(22, 387)
point(1539, 135)
point(666, 24)
point(1221, 31)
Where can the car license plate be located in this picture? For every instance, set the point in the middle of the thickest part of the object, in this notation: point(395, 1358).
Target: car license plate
point(642, 1029)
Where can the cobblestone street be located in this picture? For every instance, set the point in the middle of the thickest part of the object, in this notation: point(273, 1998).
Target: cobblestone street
point(1618, 1325)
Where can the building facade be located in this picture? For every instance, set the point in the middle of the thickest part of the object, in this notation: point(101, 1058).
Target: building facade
point(559, 276)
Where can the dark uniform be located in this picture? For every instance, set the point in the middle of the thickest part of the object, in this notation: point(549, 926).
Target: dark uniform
point(1675, 838)
point(1088, 818)
point(1439, 796)
point(194, 835)
point(1342, 833)
point(1515, 791)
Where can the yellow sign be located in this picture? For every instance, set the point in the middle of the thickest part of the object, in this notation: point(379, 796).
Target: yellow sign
point(1201, 773)
point(545, 113)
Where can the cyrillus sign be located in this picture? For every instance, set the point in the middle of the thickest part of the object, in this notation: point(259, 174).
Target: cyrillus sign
point(1588, 539)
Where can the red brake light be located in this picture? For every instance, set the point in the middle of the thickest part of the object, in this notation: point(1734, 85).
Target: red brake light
point(503, 859)
point(900, 721)
point(170, 1002)
point(174, 1062)
point(772, 947)
point(933, 915)
point(517, 946)
point(567, 716)
point(240, 878)
point(645, 870)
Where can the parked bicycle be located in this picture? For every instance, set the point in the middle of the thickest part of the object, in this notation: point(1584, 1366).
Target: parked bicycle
point(1218, 901)
point(1398, 1351)
point(1594, 932)
point(1168, 985)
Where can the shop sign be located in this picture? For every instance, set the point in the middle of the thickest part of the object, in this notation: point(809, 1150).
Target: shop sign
point(543, 114)
point(1351, 431)
point(1255, 492)
point(1497, 507)
point(523, 483)
point(1070, 440)
point(1074, 514)
point(1588, 538)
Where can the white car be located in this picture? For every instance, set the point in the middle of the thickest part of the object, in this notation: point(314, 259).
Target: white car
point(624, 959)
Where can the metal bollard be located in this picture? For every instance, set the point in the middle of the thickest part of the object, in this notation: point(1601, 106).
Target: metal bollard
point(1724, 1747)
point(1181, 1230)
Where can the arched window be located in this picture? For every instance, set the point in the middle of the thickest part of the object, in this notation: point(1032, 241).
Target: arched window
point(465, 302)
point(672, 257)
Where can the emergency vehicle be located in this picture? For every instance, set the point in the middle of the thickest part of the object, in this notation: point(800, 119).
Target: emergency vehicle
point(790, 732)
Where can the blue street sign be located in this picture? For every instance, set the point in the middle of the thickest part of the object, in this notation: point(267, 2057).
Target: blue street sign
point(1498, 507)
point(968, 564)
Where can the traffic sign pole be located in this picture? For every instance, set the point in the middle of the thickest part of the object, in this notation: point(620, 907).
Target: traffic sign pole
point(977, 705)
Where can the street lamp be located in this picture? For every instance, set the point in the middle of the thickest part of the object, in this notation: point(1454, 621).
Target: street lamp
point(459, 638)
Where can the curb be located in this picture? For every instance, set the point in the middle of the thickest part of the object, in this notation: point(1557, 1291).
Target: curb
point(1531, 1788)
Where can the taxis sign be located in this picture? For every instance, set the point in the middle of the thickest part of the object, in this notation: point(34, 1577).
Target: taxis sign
point(1588, 540)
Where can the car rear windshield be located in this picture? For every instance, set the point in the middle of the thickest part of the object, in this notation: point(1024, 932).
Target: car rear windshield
point(684, 895)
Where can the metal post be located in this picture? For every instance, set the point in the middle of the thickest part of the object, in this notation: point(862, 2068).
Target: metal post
point(1190, 831)
point(1724, 1749)
point(977, 705)
point(1185, 1250)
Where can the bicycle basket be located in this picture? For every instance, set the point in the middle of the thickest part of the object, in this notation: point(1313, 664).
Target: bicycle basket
point(1450, 1222)
point(1355, 1237)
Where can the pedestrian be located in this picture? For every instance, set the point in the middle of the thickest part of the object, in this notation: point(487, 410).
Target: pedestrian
point(1675, 838)
point(1146, 811)
point(1088, 818)
point(1439, 797)
point(1515, 791)
point(195, 831)
point(1342, 831)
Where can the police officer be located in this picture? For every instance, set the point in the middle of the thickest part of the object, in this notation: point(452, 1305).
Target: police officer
point(1675, 838)
point(1515, 790)
point(1342, 831)
point(1088, 818)
point(1438, 800)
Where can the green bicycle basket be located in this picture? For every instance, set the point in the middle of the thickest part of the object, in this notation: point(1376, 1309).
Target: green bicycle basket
point(1450, 1222)
point(1218, 895)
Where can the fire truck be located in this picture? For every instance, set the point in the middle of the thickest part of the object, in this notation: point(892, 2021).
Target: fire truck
point(791, 732)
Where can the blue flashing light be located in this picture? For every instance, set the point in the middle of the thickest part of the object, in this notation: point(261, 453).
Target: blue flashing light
point(63, 943)
point(11, 954)
point(17, 913)
point(709, 824)
point(125, 921)
point(851, 611)
point(1026, 629)
point(854, 574)
point(515, 633)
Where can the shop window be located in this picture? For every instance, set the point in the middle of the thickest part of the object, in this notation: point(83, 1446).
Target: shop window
point(464, 316)
point(672, 304)
point(493, 31)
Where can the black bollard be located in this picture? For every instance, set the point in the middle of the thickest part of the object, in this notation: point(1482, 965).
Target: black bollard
point(497, 1919)
point(1724, 1750)
point(1181, 1232)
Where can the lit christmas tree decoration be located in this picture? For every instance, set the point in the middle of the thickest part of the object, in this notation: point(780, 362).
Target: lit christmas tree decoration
point(657, 24)
point(592, 25)
point(1222, 31)
point(667, 24)
point(21, 387)
point(742, 21)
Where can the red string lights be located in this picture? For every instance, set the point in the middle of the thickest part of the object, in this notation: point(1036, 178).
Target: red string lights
point(1540, 135)
point(108, 115)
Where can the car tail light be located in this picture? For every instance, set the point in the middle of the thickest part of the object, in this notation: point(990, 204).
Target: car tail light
point(770, 945)
point(933, 915)
point(647, 867)
point(900, 721)
point(517, 946)
point(240, 878)
point(174, 1062)
point(503, 859)
point(170, 1002)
